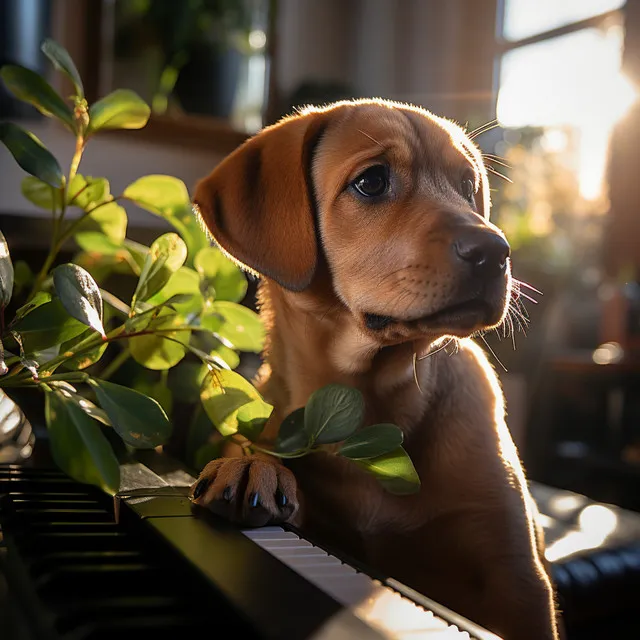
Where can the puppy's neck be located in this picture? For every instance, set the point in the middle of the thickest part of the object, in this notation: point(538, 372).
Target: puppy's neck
point(314, 340)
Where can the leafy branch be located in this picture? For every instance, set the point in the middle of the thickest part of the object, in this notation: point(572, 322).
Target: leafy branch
point(183, 316)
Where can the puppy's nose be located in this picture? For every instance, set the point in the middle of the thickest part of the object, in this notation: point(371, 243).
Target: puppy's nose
point(484, 250)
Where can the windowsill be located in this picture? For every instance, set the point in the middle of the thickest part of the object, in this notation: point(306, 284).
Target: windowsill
point(196, 132)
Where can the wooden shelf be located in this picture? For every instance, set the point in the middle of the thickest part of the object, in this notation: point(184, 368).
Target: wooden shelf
point(196, 132)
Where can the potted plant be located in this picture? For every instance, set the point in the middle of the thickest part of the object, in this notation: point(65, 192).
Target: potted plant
point(182, 313)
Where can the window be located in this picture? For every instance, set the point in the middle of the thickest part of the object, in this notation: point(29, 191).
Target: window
point(560, 92)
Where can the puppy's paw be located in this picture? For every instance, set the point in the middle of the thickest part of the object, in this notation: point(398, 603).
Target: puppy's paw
point(250, 491)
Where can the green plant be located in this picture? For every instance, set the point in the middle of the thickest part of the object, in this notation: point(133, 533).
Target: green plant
point(184, 315)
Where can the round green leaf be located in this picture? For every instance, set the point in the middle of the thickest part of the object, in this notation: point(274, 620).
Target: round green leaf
point(87, 192)
point(97, 242)
point(333, 413)
point(41, 194)
point(228, 281)
point(394, 471)
point(161, 351)
point(121, 109)
point(292, 436)
point(78, 446)
point(166, 255)
point(62, 61)
point(79, 294)
point(139, 420)
point(241, 326)
point(228, 355)
point(30, 87)
point(46, 326)
point(110, 219)
point(85, 359)
point(223, 393)
point(183, 281)
point(6, 273)
point(159, 194)
point(31, 154)
point(189, 227)
point(372, 442)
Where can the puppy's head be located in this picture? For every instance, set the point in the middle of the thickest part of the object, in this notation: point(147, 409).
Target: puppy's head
point(394, 199)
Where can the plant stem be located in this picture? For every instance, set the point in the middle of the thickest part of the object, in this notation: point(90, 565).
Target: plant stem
point(115, 364)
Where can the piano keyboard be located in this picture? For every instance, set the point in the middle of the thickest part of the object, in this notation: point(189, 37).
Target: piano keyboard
point(161, 569)
point(384, 608)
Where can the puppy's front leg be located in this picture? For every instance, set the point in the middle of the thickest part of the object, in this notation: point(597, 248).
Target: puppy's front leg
point(251, 490)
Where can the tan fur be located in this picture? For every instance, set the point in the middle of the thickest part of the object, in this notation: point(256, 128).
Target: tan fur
point(467, 538)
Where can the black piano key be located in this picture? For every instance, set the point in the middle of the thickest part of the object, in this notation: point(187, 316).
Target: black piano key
point(278, 601)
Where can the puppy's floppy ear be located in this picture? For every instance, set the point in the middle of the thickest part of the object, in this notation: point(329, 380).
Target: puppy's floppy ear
point(259, 204)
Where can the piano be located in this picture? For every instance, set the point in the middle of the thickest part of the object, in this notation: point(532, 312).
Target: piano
point(76, 564)
point(81, 565)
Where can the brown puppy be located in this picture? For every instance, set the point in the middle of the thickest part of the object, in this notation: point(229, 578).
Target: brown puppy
point(368, 221)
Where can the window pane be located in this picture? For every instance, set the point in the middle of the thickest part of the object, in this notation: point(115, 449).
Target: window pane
point(572, 81)
point(523, 18)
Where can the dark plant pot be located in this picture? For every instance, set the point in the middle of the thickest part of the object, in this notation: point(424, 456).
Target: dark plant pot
point(207, 84)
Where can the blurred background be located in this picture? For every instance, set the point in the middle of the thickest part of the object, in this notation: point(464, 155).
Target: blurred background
point(548, 86)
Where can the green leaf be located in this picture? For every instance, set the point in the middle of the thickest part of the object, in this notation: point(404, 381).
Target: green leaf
point(31, 154)
point(85, 359)
point(22, 277)
point(121, 109)
point(228, 355)
point(62, 61)
point(333, 413)
point(41, 194)
point(78, 446)
point(46, 326)
point(79, 295)
point(6, 273)
point(227, 279)
point(87, 192)
point(69, 391)
point(188, 226)
point(252, 419)
point(139, 420)
point(30, 87)
point(40, 298)
point(241, 326)
point(166, 255)
point(183, 281)
point(159, 352)
point(223, 393)
point(394, 471)
point(97, 242)
point(372, 442)
point(159, 194)
point(292, 436)
point(110, 219)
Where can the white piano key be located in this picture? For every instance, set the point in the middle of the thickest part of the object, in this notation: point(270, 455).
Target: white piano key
point(379, 606)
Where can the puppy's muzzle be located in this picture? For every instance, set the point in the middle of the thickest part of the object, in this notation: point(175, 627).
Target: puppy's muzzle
point(484, 251)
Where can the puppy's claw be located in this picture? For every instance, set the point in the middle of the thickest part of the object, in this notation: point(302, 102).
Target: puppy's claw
point(251, 491)
point(201, 487)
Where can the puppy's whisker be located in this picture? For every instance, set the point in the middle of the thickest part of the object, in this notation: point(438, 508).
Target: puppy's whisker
point(364, 133)
point(487, 126)
point(498, 158)
point(522, 283)
point(493, 353)
point(429, 354)
point(415, 371)
point(490, 169)
point(529, 298)
point(495, 161)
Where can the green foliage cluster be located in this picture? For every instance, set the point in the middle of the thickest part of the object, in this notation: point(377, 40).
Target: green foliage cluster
point(184, 314)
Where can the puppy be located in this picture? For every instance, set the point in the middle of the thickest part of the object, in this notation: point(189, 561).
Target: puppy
point(368, 223)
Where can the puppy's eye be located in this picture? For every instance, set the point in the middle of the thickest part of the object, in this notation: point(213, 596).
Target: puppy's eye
point(468, 189)
point(372, 182)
